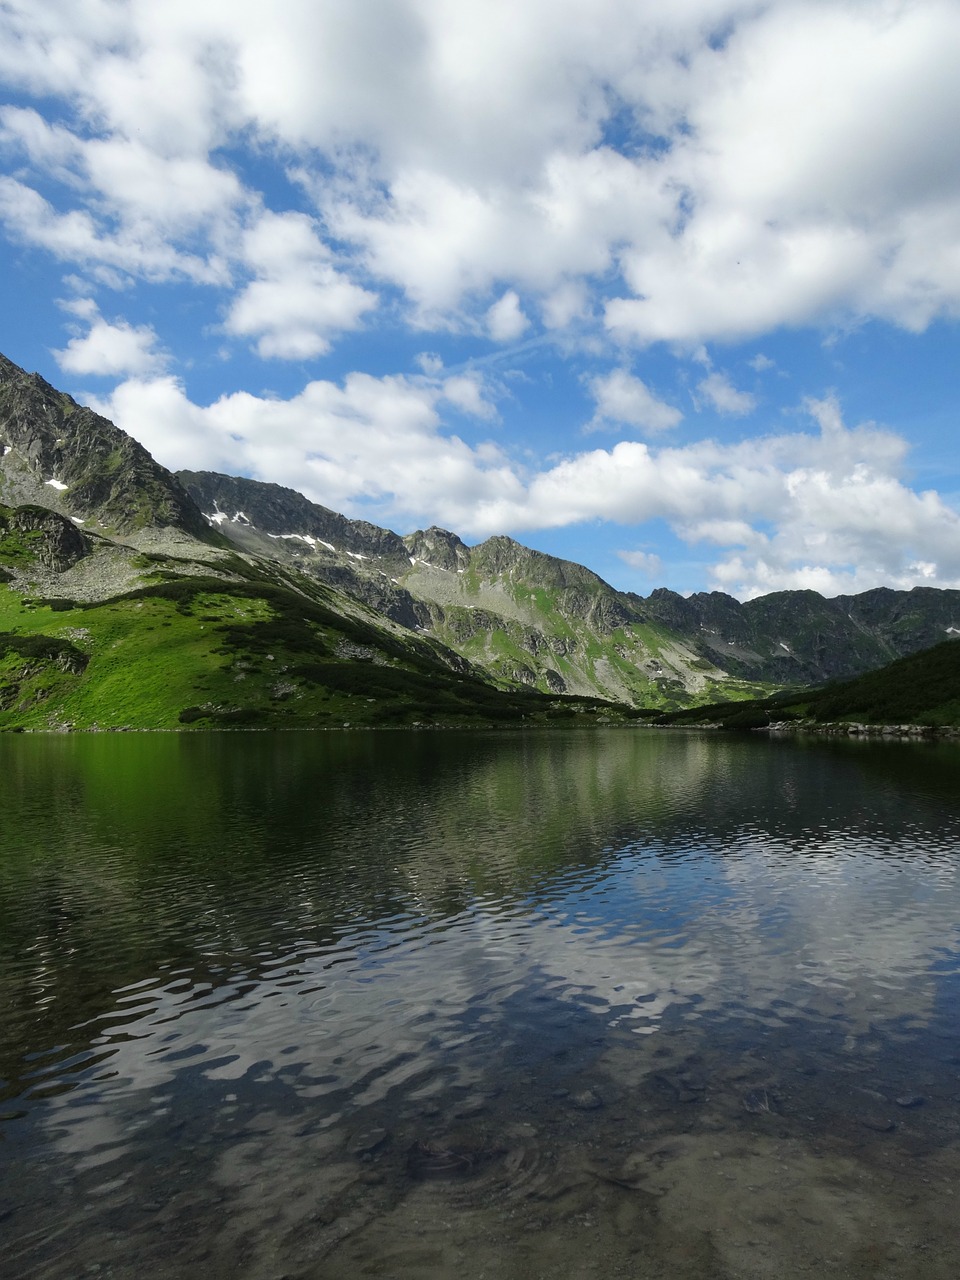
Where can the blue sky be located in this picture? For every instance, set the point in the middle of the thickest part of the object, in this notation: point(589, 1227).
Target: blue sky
point(671, 290)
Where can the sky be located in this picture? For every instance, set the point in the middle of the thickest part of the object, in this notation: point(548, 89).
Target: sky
point(671, 290)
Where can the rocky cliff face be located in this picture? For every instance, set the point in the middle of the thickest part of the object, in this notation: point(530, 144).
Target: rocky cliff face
point(56, 454)
point(235, 504)
point(43, 536)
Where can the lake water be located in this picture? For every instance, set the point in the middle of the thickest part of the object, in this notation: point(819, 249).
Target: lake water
point(514, 1005)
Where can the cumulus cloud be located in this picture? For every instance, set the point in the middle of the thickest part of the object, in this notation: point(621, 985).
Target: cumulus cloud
point(646, 562)
point(108, 350)
point(720, 392)
point(299, 298)
point(77, 237)
point(761, 363)
point(826, 509)
point(466, 392)
point(624, 399)
point(429, 362)
point(371, 440)
point(505, 320)
point(714, 166)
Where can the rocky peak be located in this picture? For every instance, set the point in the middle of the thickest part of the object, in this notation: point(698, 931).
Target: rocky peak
point(501, 556)
point(279, 512)
point(438, 547)
point(61, 455)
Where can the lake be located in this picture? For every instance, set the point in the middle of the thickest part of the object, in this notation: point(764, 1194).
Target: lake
point(515, 1005)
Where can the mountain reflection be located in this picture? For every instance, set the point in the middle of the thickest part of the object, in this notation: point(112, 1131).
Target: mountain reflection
point(643, 870)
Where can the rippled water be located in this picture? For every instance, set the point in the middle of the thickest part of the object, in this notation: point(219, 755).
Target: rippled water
point(515, 1005)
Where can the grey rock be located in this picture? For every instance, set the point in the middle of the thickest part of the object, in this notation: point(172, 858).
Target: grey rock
point(587, 1100)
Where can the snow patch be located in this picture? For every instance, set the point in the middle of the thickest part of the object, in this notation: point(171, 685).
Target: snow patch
point(328, 545)
point(7, 448)
point(57, 484)
point(238, 517)
point(77, 520)
point(357, 556)
point(299, 537)
point(953, 631)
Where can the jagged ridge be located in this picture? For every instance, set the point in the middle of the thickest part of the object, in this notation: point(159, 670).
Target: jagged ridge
point(532, 618)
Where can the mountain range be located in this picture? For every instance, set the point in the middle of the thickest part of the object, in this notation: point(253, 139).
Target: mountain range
point(191, 581)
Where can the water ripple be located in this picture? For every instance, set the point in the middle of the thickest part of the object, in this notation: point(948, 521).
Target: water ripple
point(477, 949)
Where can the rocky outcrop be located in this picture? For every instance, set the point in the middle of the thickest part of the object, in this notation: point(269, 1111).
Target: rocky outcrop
point(438, 547)
point(45, 536)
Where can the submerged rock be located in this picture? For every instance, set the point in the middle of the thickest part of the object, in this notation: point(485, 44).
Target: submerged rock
point(588, 1100)
point(879, 1124)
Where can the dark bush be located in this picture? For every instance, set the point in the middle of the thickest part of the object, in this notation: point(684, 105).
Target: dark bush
point(751, 718)
point(44, 649)
point(58, 605)
point(240, 715)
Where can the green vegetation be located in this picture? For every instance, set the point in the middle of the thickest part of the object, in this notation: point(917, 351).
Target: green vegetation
point(921, 689)
point(202, 652)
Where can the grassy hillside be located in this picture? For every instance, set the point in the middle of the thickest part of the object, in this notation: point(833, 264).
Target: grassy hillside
point(189, 651)
point(920, 689)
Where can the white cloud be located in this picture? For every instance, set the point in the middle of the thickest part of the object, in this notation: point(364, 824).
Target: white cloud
point(622, 398)
point(761, 363)
point(373, 440)
point(724, 396)
point(787, 173)
point(465, 391)
point(505, 320)
point(114, 350)
point(568, 302)
point(649, 564)
point(299, 299)
point(429, 362)
point(828, 510)
point(76, 237)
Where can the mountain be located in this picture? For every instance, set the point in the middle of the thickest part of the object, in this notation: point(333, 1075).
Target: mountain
point(800, 637)
point(530, 618)
point(521, 616)
point(921, 690)
point(130, 597)
point(121, 606)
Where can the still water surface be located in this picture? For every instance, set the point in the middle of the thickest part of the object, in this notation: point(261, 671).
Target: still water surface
point(422, 1006)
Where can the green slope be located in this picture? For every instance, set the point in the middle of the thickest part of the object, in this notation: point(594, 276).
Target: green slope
point(254, 651)
point(920, 689)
